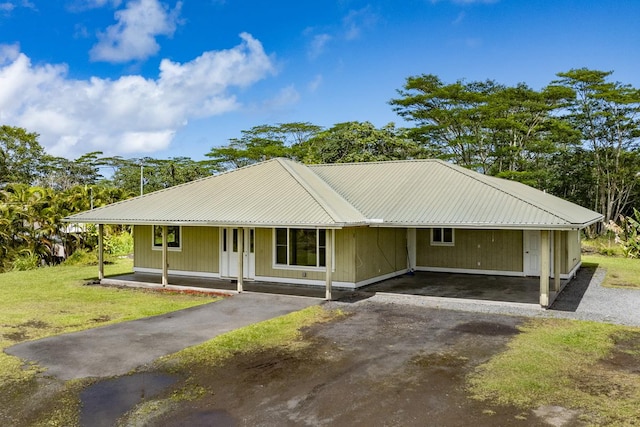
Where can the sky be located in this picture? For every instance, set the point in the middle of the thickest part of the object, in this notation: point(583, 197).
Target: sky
point(168, 78)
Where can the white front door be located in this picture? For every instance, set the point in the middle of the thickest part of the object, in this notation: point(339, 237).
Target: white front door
point(531, 256)
point(229, 253)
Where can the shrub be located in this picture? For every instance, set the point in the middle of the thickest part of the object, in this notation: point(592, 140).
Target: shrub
point(82, 257)
point(628, 234)
point(26, 262)
point(119, 244)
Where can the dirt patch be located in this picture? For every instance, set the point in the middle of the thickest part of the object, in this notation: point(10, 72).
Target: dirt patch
point(382, 365)
point(626, 354)
point(486, 328)
point(36, 324)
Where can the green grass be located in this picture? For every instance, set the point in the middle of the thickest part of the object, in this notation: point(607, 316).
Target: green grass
point(52, 300)
point(621, 272)
point(563, 362)
point(276, 332)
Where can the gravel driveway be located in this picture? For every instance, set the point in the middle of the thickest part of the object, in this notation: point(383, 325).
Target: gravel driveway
point(583, 298)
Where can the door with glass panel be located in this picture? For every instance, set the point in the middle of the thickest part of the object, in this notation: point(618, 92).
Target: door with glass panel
point(229, 253)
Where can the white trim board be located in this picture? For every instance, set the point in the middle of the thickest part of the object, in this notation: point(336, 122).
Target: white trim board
point(490, 272)
point(177, 272)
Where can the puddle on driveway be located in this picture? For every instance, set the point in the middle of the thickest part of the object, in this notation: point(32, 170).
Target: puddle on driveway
point(107, 400)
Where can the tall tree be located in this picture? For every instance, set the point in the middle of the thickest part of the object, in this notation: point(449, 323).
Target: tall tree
point(157, 174)
point(261, 143)
point(358, 142)
point(21, 156)
point(485, 126)
point(607, 115)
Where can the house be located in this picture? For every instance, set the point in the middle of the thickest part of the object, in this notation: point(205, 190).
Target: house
point(282, 221)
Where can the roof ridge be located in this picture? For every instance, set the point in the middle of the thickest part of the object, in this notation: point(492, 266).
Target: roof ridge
point(315, 165)
point(312, 192)
point(468, 173)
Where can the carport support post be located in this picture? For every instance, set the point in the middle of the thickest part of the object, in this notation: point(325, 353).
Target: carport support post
point(100, 252)
point(240, 258)
point(557, 259)
point(329, 263)
point(545, 264)
point(165, 263)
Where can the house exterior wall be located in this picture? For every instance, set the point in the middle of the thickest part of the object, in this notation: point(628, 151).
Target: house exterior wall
point(489, 250)
point(379, 252)
point(344, 259)
point(570, 250)
point(199, 250)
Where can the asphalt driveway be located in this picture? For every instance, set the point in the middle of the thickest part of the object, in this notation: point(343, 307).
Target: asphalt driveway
point(118, 349)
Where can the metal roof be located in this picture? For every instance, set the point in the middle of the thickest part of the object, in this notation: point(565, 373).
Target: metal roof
point(436, 193)
point(281, 192)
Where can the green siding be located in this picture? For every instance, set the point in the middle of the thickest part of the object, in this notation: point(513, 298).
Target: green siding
point(380, 251)
point(199, 252)
point(570, 250)
point(499, 250)
point(344, 258)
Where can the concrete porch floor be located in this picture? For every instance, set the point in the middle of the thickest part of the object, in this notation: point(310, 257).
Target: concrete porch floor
point(465, 286)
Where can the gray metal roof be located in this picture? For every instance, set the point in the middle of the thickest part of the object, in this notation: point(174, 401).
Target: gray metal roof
point(281, 192)
point(437, 193)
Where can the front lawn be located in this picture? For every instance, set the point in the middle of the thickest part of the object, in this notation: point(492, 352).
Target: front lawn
point(621, 272)
point(53, 300)
point(586, 366)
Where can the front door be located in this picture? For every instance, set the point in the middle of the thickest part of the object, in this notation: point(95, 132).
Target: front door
point(229, 253)
point(531, 256)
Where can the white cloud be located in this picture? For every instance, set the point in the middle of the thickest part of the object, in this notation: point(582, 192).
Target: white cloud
point(318, 44)
point(133, 37)
point(131, 114)
point(315, 83)
point(7, 6)
point(356, 21)
point(80, 5)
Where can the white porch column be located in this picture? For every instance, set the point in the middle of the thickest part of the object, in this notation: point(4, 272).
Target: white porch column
point(545, 264)
point(328, 262)
point(411, 249)
point(165, 257)
point(100, 251)
point(557, 259)
point(240, 258)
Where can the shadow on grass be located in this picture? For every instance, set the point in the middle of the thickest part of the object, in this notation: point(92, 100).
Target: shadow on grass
point(571, 296)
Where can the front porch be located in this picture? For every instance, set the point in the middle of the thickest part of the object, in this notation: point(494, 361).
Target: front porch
point(447, 285)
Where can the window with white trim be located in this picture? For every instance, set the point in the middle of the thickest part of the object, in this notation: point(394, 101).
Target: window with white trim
point(301, 247)
point(442, 236)
point(173, 237)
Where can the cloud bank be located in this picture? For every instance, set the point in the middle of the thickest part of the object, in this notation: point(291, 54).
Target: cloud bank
point(133, 36)
point(132, 114)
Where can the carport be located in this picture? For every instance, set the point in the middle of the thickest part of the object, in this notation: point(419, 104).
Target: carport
point(447, 285)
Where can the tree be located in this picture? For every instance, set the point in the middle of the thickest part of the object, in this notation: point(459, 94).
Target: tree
point(21, 156)
point(357, 142)
point(485, 126)
point(607, 116)
point(62, 173)
point(261, 143)
point(157, 173)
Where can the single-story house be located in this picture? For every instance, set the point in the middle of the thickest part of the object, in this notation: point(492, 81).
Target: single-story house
point(282, 221)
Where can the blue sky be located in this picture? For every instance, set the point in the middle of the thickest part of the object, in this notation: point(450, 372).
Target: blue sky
point(167, 78)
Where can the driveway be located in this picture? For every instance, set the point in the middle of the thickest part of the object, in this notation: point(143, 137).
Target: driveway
point(118, 349)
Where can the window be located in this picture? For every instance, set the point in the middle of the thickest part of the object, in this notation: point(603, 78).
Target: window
point(300, 247)
point(173, 237)
point(442, 236)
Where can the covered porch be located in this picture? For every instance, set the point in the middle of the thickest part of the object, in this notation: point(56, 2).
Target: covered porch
point(522, 290)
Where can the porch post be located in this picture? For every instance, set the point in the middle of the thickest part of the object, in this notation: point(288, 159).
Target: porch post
point(100, 251)
point(240, 258)
point(545, 261)
point(165, 263)
point(557, 259)
point(329, 262)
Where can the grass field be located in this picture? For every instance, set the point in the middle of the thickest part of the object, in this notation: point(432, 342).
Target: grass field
point(52, 300)
point(621, 272)
point(581, 365)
